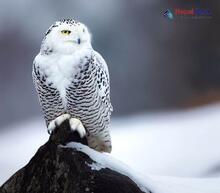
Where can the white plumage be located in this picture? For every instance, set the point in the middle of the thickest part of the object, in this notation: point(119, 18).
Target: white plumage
point(72, 81)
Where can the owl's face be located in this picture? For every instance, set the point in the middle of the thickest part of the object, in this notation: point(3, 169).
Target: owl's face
point(66, 37)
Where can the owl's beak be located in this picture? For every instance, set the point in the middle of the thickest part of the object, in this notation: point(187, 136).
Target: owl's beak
point(78, 40)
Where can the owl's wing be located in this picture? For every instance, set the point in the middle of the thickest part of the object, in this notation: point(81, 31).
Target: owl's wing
point(103, 80)
point(49, 97)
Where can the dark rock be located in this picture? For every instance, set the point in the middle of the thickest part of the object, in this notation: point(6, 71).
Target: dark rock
point(55, 169)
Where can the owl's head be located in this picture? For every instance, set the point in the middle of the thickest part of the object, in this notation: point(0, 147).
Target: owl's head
point(66, 37)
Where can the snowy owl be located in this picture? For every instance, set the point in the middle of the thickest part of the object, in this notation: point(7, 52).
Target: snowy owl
point(72, 82)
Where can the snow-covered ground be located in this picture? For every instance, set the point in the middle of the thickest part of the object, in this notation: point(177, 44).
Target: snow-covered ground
point(182, 145)
point(177, 144)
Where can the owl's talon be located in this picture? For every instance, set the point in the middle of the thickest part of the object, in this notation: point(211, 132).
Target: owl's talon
point(57, 122)
point(51, 127)
point(76, 125)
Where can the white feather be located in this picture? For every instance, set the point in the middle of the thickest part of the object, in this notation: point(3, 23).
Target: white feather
point(60, 69)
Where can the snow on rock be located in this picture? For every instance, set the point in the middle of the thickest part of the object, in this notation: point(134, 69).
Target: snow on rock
point(156, 184)
point(105, 160)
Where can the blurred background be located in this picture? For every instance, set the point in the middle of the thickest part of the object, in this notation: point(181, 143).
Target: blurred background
point(156, 65)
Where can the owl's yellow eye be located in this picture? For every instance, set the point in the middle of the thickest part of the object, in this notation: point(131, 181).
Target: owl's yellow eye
point(65, 32)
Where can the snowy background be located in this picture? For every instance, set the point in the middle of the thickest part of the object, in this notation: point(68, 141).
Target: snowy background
point(175, 151)
point(165, 86)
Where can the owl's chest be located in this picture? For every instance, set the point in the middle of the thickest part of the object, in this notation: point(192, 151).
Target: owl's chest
point(59, 73)
point(65, 71)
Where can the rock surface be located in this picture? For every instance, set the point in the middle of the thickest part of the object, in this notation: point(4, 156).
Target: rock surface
point(55, 169)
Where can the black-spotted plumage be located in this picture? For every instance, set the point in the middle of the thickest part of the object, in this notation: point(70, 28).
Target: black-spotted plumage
point(71, 78)
point(87, 98)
